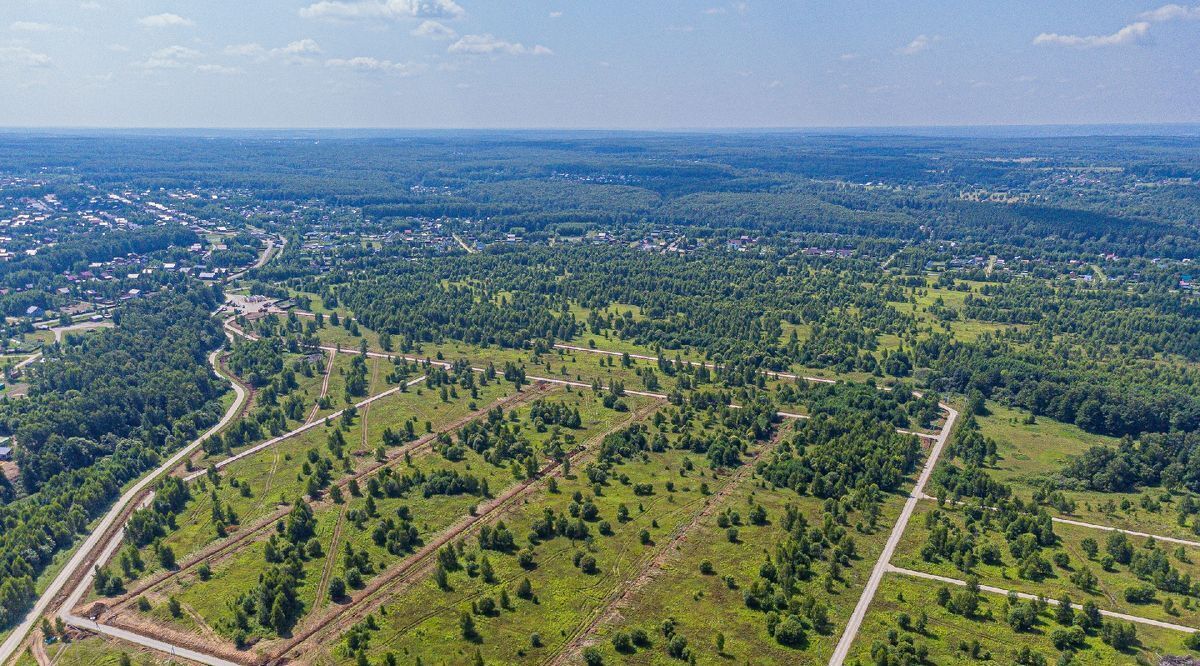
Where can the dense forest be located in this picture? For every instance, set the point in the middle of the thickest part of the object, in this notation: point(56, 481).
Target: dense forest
point(101, 410)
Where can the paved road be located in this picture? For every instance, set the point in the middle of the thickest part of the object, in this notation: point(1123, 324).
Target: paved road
point(85, 550)
point(262, 258)
point(885, 557)
point(1034, 597)
point(1107, 528)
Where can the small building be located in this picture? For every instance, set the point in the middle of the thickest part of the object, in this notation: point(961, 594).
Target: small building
point(5, 453)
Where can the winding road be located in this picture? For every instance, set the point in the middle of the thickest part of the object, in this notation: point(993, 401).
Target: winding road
point(84, 555)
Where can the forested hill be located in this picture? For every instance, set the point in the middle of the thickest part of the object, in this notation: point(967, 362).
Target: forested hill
point(102, 409)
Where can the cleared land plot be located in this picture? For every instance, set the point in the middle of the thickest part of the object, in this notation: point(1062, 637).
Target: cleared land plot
point(946, 634)
point(704, 604)
point(207, 605)
point(424, 619)
point(1108, 593)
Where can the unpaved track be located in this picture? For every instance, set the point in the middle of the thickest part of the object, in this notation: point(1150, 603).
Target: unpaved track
point(316, 408)
point(610, 608)
point(420, 563)
point(330, 556)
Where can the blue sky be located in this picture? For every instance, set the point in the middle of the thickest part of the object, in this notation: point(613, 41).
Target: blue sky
point(610, 64)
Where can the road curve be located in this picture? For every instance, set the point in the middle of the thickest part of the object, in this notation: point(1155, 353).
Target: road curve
point(81, 556)
point(885, 557)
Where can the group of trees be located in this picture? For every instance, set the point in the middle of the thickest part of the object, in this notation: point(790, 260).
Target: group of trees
point(1170, 459)
point(835, 455)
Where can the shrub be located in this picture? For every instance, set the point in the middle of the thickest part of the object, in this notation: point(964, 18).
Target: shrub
point(790, 632)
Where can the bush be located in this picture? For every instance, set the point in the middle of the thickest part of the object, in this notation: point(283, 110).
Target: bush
point(592, 656)
point(1071, 638)
point(1193, 641)
point(790, 632)
point(1139, 594)
point(677, 647)
point(1120, 635)
point(706, 568)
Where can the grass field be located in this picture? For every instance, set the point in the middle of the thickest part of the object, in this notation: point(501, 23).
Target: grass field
point(273, 475)
point(1108, 594)
point(1033, 452)
point(207, 604)
point(704, 605)
point(945, 632)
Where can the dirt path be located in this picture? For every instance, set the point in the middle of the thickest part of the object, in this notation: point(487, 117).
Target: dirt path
point(38, 649)
point(327, 568)
point(610, 609)
point(316, 408)
point(367, 410)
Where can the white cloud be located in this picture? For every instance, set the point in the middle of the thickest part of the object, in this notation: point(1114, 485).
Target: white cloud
point(1171, 12)
point(293, 52)
point(489, 44)
point(556, 14)
point(434, 30)
point(713, 10)
point(382, 9)
point(1130, 34)
point(90, 5)
point(172, 57)
point(219, 69)
point(164, 21)
point(23, 57)
point(369, 64)
point(849, 56)
point(31, 26)
point(919, 44)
